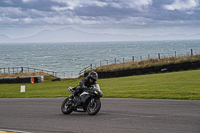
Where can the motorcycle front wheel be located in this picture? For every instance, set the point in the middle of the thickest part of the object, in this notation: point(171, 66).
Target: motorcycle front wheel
point(94, 107)
point(66, 106)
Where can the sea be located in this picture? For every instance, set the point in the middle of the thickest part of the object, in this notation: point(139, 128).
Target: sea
point(69, 58)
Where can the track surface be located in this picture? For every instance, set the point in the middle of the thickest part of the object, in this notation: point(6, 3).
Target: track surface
point(43, 115)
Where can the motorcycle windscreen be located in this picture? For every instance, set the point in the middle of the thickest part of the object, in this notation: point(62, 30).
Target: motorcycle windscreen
point(98, 88)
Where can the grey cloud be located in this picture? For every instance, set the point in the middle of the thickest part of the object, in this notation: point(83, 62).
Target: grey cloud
point(139, 5)
point(40, 5)
point(99, 13)
point(182, 5)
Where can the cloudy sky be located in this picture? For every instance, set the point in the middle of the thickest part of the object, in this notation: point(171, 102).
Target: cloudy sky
point(20, 18)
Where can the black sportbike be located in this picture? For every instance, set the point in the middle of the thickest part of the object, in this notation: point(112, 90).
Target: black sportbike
point(89, 101)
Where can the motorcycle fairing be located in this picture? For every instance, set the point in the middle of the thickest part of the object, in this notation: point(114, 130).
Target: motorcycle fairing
point(84, 96)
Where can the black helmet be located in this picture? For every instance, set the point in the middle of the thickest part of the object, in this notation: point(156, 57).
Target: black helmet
point(93, 75)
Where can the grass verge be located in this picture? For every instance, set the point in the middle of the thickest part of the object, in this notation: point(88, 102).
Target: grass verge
point(175, 85)
point(146, 63)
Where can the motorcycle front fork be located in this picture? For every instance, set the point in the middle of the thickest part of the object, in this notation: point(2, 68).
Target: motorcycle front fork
point(92, 102)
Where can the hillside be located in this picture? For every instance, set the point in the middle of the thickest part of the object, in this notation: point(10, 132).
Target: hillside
point(146, 63)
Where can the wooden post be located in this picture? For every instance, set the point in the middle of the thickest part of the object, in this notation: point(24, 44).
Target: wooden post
point(159, 56)
point(141, 58)
point(123, 59)
point(90, 66)
point(100, 63)
point(107, 62)
point(175, 54)
point(115, 61)
point(84, 70)
point(148, 56)
point(191, 53)
point(133, 58)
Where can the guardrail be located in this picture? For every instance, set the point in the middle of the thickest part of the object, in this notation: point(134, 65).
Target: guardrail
point(85, 69)
point(25, 69)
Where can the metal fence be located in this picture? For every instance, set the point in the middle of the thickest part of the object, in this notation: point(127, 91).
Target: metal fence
point(24, 70)
point(63, 74)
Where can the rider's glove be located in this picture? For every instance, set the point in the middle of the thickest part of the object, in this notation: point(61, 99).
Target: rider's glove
point(84, 87)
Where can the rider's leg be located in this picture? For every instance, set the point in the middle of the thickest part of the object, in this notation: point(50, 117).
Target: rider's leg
point(75, 94)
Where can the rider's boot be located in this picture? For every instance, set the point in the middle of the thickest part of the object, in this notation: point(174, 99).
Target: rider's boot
point(71, 98)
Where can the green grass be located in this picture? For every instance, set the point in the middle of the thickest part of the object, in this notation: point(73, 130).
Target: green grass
point(46, 89)
point(174, 85)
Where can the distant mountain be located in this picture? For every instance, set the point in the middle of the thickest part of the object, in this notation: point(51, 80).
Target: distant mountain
point(73, 35)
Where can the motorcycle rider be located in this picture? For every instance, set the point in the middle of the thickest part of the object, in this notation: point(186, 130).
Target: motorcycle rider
point(86, 83)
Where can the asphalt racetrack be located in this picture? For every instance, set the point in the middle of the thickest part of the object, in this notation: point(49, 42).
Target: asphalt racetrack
point(43, 115)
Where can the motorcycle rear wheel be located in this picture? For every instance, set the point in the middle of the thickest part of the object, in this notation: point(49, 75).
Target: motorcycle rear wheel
point(66, 108)
point(94, 109)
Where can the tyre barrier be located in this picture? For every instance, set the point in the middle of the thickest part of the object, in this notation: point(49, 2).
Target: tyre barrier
point(56, 79)
point(150, 70)
point(34, 79)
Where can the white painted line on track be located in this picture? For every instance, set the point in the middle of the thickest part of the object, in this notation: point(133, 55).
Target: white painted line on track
point(12, 131)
